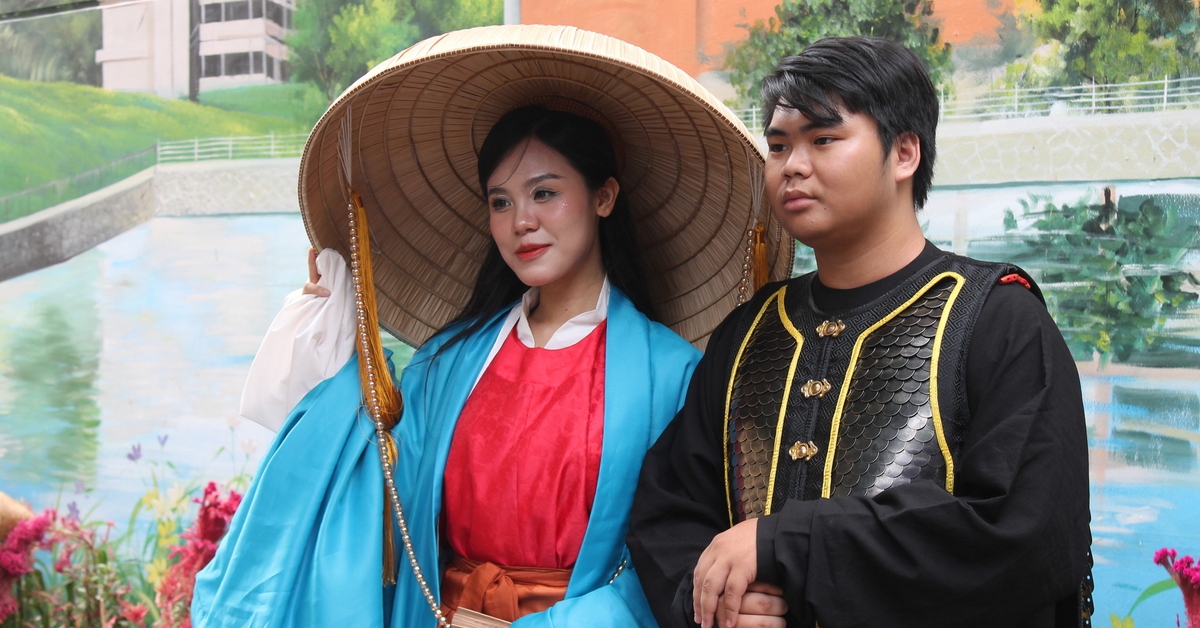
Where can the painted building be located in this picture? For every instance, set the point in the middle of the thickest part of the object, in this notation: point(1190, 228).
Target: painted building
point(147, 46)
point(241, 42)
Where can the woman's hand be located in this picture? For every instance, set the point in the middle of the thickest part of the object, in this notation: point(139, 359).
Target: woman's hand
point(313, 277)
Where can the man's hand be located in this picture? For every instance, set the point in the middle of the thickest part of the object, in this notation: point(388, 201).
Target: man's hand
point(313, 277)
point(763, 606)
point(723, 573)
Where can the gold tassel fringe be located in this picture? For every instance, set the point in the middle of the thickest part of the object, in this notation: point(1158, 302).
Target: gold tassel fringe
point(390, 402)
point(762, 272)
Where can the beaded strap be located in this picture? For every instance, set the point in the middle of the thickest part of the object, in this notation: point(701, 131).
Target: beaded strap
point(382, 438)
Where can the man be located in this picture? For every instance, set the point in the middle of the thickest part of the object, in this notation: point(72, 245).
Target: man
point(896, 439)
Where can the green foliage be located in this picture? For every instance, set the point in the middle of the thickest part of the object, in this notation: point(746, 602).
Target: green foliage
point(299, 103)
point(310, 42)
point(798, 23)
point(434, 17)
point(1110, 272)
point(50, 131)
point(364, 34)
point(53, 48)
point(1112, 41)
point(337, 41)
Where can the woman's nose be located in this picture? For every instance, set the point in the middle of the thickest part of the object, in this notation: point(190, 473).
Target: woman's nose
point(524, 219)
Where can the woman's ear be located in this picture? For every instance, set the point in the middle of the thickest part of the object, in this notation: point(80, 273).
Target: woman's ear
point(907, 151)
point(606, 197)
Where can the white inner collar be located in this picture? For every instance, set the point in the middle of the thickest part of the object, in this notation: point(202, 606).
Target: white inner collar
point(570, 333)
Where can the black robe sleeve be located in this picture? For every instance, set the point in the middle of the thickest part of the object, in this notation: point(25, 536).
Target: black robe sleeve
point(680, 502)
point(1009, 544)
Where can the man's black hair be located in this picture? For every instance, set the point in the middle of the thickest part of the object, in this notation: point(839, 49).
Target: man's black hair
point(865, 75)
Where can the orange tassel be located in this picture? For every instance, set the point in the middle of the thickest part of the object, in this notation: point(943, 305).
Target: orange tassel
point(390, 403)
point(762, 272)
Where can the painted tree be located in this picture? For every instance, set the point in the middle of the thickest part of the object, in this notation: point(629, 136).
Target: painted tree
point(310, 43)
point(362, 35)
point(337, 41)
point(798, 23)
point(434, 17)
point(1115, 41)
point(1113, 273)
point(52, 48)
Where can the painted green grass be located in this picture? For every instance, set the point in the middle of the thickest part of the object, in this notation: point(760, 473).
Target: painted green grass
point(302, 103)
point(50, 131)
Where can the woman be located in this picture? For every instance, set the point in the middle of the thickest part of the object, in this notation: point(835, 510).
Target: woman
point(512, 466)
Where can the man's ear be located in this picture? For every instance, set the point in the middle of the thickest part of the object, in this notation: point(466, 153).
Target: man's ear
point(906, 151)
point(606, 197)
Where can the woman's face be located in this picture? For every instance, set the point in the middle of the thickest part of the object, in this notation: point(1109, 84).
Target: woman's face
point(544, 218)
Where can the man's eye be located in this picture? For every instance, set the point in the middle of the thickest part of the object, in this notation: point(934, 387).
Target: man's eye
point(776, 148)
point(821, 141)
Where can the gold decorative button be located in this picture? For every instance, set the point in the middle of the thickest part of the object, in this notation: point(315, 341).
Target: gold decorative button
point(804, 451)
point(831, 328)
point(813, 388)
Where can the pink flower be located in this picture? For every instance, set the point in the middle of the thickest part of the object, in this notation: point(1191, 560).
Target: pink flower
point(16, 556)
point(1186, 574)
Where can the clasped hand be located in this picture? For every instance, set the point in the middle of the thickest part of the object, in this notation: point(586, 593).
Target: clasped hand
point(725, 592)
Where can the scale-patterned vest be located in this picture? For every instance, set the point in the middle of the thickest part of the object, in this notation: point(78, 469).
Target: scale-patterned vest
point(818, 406)
point(824, 407)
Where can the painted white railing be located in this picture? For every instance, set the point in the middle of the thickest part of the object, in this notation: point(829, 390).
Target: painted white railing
point(1031, 102)
point(257, 147)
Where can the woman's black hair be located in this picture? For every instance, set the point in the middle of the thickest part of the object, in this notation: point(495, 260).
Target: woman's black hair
point(861, 75)
point(587, 147)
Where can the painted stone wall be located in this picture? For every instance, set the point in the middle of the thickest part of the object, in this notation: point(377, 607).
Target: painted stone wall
point(1135, 146)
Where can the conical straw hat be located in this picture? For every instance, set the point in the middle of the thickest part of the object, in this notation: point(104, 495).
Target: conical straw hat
point(12, 512)
point(416, 122)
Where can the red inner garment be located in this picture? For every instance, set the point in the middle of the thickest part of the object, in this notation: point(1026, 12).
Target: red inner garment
point(522, 469)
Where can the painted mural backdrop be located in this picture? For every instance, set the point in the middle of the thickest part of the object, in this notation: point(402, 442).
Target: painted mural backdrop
point(121, 368)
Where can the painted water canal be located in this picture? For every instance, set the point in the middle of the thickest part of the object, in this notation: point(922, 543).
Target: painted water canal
point(121, 370)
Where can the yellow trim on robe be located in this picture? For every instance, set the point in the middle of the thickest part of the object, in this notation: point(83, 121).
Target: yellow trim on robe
point(783, 406)
point(737, 362)
point(827, 481)
point(933, 380)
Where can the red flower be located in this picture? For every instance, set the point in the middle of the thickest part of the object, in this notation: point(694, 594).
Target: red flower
point(135, 613)
point(175, 589)
point(1186, 574)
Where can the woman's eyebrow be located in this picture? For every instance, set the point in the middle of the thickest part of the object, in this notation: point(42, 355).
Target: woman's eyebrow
point(499, 189)
point(542, 177)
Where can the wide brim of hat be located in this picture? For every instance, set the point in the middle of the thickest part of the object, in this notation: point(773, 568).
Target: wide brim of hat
point(415, 123)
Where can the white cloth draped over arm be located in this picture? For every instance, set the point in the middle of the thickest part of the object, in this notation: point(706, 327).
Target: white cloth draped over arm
point(309, 341)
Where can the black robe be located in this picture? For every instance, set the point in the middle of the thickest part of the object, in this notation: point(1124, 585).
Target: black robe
point(1009, 547)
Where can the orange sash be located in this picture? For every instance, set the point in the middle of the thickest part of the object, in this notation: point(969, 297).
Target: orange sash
point(507, 593)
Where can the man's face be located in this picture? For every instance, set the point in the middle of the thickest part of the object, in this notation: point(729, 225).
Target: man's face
point(828, 185)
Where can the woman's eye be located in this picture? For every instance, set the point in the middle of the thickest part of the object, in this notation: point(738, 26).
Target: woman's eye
point(541, 195)
point(498, 204)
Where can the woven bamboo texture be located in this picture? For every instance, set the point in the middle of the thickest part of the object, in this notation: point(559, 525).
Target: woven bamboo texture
point(691, 169)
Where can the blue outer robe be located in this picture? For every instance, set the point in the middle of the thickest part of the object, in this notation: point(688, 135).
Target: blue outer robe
point(305, 547)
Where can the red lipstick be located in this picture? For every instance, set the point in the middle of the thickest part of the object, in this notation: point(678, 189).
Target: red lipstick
point(526, 252)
